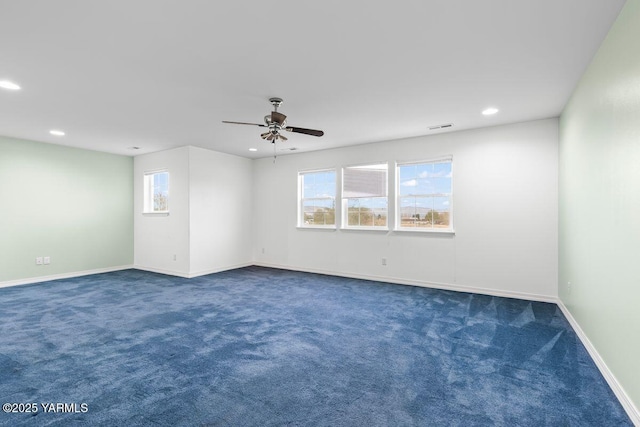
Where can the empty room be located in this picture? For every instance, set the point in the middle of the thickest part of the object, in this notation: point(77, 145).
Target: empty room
point(410, 213)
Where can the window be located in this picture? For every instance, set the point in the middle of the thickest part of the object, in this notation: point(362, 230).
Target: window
point(364, 196)
point(317, 198)
point(424, 195)
point(156, 192)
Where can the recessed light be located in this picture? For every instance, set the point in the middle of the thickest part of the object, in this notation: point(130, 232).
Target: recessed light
point(6, 84)
point(56, 132)
point(490, 111)
point(253, 149)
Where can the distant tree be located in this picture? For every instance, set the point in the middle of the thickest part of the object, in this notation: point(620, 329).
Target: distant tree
point(360, 216)
point(318, 216)
point(381, 220)
point(432, 217)
point(160, 202)
point(325, 216)
point(444, 218)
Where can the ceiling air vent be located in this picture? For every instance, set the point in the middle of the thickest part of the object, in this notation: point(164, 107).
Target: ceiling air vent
point(448, 125)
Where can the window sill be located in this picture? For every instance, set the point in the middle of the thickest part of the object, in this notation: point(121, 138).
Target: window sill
point(425, 231)
point(321, 228)
point(379, 229)
point(155, 213)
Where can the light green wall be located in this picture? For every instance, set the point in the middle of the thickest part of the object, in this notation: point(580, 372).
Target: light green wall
point(73, 205)
point(599, 230)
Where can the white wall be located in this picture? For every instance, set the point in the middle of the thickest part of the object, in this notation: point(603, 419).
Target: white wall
point(157, 238)
point(225, 210)
point(505, 209)
point(220, 211)
point(208, 228)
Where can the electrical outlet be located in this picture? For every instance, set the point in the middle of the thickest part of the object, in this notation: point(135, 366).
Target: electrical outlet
point(263, 250)
point(569, 287)
point(384, 261)
point(39, 260)
point(47, 260)
point(175, 257)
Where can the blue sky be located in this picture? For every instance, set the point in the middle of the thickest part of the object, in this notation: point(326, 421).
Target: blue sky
point(429, 178)
point(161, 183)
point(418, 180)
point(319, 184)
point(415, 181)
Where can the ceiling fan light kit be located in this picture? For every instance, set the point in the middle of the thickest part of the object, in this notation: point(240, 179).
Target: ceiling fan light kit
point(276, 122)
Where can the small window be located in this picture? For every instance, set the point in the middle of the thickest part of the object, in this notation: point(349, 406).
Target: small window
point(424, 196)
point(364, 196)
point(317, 198)
point(156, 192)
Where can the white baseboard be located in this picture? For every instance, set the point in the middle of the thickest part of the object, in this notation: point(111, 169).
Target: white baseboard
point(424, 284)
point(39, 279)
point(48, 278)
point(618, 390)
point(220, 269)
point(162, 271)
point(191, 274)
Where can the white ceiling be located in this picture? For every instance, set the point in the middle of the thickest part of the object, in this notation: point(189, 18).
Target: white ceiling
point(160, 74)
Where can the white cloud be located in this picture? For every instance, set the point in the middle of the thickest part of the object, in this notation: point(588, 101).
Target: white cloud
point(445, 203)
point(410, 183)
point(439, 174)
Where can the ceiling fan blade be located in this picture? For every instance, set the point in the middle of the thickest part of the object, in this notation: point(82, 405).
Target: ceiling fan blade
point(244, 123)
point(270, 137)
point(283, 138)
point(265, 135)
point(278, 117)
point(312, 132)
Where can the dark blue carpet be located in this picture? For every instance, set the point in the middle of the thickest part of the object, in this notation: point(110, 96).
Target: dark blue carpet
point(264, 347)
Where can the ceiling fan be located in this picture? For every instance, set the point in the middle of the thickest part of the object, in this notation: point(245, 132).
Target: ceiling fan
point(276, 122)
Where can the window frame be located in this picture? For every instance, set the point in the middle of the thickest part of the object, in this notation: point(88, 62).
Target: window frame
point(398, 198)
point(148, 192)
point(301, 199)
point(344, 201)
